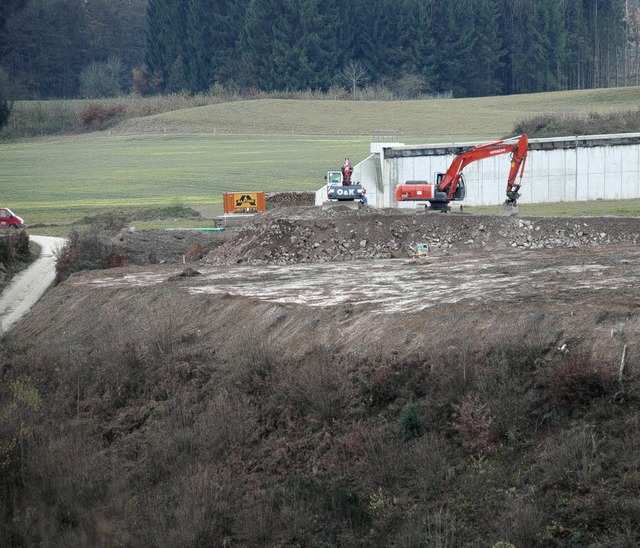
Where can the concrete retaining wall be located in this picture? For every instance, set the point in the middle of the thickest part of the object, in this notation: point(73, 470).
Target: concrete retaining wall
point(563, 169)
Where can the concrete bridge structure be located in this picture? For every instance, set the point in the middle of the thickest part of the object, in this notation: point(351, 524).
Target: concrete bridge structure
point(562, 169)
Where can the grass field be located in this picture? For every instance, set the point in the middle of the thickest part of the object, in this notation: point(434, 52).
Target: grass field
point(191, 156)
point(86, 173)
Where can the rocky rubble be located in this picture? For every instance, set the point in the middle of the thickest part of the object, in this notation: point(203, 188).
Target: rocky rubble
point(290, 199)
point(308, 234)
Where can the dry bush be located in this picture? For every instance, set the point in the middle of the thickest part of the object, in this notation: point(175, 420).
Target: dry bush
point(572, 457)
point(296, 513)
point(512, 399)
point(474, 424)
point(252, 367)
point(578, 380)
point(423, 527)
point(520, 521)
point(14, 246)
point(198, 506)
point(229, 421)
point(317, 385)
point(67, 479)
point(389, 377)
point(381, 388)
point(523, 344)
point(453, 371)
point(386, 458)
point(84, 251)
point(303, 511)
point(430, 460)
point(310, 512)
point(564, 124)
point(98, 116)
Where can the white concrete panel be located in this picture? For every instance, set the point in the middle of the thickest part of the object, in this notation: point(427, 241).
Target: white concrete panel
point(557, 189)
point(588, 172)
point(613, 159)
point(596, 159)
point(596, 186)
point(582, 174)
point(630, 185)
point(557, 176)
point(613, 173)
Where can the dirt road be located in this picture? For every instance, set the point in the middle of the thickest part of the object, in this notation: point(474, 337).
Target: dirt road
point(28, 286)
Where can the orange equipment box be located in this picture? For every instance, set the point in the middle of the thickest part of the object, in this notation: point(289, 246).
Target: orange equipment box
point(244, 202)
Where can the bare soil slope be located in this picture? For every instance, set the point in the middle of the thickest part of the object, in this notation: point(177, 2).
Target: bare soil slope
point(298, 273)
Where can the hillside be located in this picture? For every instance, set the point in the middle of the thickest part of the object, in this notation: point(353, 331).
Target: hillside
point(424, 120)
point(306, 383)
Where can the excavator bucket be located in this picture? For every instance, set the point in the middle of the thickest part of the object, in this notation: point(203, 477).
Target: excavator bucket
point(509, 209)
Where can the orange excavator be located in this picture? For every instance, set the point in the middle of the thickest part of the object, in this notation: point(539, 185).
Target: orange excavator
point(450, 186)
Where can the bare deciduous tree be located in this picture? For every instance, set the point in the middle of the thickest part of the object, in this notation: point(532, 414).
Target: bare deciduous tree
point(354, 74)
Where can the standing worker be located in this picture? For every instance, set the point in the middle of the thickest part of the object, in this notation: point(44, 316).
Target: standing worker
point(346, 172)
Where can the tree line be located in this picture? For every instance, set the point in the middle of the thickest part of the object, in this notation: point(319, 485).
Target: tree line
point(84, 48)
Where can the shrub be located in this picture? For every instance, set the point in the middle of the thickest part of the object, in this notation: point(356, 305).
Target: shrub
point(317, 385)
point(5, 110)
point(578, 380)
point(97, 116)
point(572, 458)
point(84, 251)
point(14, 248)
point(386, 457)
point(431, 460)
point(411, 421)
point(6, 105)
point(473, 424)
point(7, 250)
point(563, 124)
point(425, 527)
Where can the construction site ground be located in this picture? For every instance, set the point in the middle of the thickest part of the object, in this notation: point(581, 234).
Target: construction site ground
point(302, 276)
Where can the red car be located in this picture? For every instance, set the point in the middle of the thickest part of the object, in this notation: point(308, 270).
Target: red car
point(8, 219)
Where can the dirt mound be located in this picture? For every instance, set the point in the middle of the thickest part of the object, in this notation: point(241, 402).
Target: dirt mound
point(288, 199)
point(140, 247)
point(309, 234)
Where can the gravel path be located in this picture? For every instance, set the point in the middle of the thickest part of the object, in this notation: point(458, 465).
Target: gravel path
point(27, 287)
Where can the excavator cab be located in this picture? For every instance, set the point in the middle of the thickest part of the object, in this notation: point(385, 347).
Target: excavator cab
point(460, 192)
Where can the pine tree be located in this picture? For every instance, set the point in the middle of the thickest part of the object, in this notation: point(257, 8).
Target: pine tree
point(165, 43)
point(485, 61)
point(211, 42)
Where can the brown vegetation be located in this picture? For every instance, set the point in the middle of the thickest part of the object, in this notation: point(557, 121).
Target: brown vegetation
point(563, 124)
point(98, 116)
point(14, 253)
point(153, 414)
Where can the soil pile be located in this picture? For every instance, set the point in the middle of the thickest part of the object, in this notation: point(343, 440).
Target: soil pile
point(308, 234)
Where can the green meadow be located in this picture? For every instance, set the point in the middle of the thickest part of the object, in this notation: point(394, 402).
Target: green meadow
point(191, 156)
point(72, 177)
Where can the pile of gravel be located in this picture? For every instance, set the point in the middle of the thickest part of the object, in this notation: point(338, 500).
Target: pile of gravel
point(290, 199)
point(312, 235)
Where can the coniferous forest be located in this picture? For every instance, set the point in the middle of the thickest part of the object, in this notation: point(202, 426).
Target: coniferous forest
point(470, 48)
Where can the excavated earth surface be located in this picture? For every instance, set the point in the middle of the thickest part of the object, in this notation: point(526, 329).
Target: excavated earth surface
point(300, 276)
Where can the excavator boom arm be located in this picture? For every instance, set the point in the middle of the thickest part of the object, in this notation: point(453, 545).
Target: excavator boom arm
point(451, 179)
